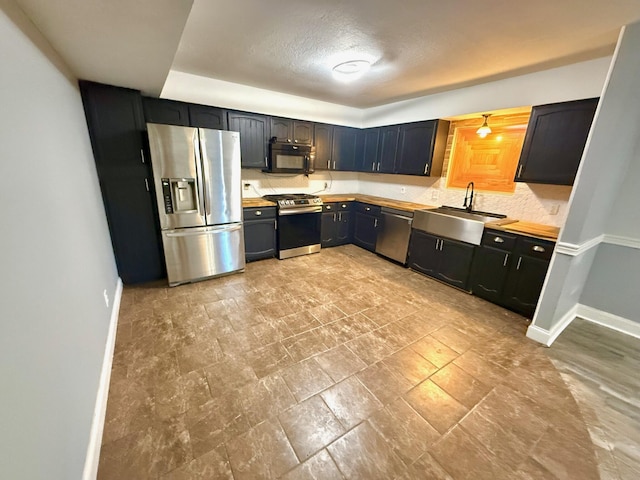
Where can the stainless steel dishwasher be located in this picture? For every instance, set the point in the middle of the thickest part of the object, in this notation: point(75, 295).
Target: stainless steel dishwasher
point(394, 233)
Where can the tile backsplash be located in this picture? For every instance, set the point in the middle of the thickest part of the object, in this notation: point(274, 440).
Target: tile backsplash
point(530, 202)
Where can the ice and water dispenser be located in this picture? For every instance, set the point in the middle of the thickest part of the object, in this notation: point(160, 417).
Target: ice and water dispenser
point(180, 195)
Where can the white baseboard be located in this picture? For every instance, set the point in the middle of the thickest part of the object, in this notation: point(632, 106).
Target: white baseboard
point(97, 425)
point(590, 314)
point(606, 319)
point(547, 337)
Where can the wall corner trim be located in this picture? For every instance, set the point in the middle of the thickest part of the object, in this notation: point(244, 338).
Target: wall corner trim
point(97, 425)
point(609, 320)
point(574, 250)
point(621, 241)
point(547, 337)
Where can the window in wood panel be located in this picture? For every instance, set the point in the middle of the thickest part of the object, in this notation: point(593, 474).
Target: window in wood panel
point(490, 162)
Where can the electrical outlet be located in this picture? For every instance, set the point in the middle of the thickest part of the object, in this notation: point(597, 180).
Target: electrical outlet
point(435, 194)
point(403, 189)
point(246, 186)
point(554, 209)
point(106, 297)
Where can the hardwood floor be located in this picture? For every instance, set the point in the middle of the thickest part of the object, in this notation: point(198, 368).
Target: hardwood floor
point(601, 368)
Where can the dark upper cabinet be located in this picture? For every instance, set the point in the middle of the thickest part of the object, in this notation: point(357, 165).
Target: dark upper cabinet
point(367, 156)
point(292, 131)
point(303, 132)
point(254, 136)
point(204, 116)
point(168, 112)
point(115, 120)
point(259, 233)
point(343, 152)
point(388, 149)
point(554, 142)
point(441, 258)
point(282, 129)
point(421, 147)
point(323, 141)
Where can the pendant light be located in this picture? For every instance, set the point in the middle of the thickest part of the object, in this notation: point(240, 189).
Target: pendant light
point(484, 129)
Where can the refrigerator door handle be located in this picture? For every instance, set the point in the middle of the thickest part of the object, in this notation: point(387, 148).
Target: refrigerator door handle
point(190, 232)
point(198, 147)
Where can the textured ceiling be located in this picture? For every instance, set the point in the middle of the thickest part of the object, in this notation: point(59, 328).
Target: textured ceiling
point(418, 46)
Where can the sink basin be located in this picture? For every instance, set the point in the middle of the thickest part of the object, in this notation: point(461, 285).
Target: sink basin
point(454, 223)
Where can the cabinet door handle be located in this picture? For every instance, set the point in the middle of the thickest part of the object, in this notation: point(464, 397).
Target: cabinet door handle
point(328, 207)
point(258, 213)
point(538, 248)
point(373, 167)
point(142, 155)
point(426, 168)
point(265, 162)
point(498, 240)
point(367, 208)
point(375, 223)
point(519, 262)
point(334, 164)
point(289, 140)
point(339, 216)
point(378, 167)
point(334, 218)
point(275, 224)
point(146, 184)
point(344, 205)
point(441, 244)
point(506, 259)
point(328, 164)
point(519, 171)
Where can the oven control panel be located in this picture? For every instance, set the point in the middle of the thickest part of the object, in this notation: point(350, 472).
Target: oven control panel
point(301, 201)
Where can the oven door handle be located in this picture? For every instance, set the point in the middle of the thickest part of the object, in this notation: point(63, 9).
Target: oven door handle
point(314, 209)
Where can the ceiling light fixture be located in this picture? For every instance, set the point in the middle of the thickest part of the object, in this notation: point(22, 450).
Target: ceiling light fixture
point(484, 129)
point(351, 70)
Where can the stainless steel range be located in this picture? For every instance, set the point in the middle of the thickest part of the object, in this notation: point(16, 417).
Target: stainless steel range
point(299, 218)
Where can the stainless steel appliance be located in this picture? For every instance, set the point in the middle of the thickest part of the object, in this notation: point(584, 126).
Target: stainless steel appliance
point(290, 158)
point(394, 233)
point(299, 219)
point(196, 173)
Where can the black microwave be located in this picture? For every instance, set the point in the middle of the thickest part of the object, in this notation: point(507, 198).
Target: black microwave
point(291, 158)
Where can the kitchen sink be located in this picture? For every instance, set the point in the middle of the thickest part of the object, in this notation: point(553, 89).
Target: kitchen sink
point(455, 223)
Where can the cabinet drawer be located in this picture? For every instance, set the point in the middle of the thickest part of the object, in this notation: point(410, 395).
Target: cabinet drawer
point(259, 212)
point(336, 206)
point(496, 239)
point(533, 247)
point(367, 208)
point(329, 207)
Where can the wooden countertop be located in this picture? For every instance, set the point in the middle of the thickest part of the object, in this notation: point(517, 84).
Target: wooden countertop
point(256, 202)
point(530, 229)
point(379, 201)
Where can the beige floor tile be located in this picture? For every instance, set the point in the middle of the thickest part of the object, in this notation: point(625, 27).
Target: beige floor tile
point(460, 385)
point(436, 406)
point(351, 402)
point(306, 378)
point(310, 426)
point(434, 351)
point(410, 365)
point(340, 362)
point(320, 466)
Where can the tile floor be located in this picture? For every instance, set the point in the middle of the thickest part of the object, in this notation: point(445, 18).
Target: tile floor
point(334, 365)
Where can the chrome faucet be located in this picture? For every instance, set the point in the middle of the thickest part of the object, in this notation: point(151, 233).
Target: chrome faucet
point(468, 206)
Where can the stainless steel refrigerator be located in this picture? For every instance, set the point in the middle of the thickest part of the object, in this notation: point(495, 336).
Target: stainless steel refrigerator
point(196, 173)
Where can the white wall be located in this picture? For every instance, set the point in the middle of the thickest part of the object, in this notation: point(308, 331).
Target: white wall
point(56, 261)
point(587, 269)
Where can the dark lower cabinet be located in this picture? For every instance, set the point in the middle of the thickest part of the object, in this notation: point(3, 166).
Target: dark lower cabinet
point(441, 258)
point(259, 233)
point(510, 269)
point(116, 128)
point(365, 225)
point(336, 224)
